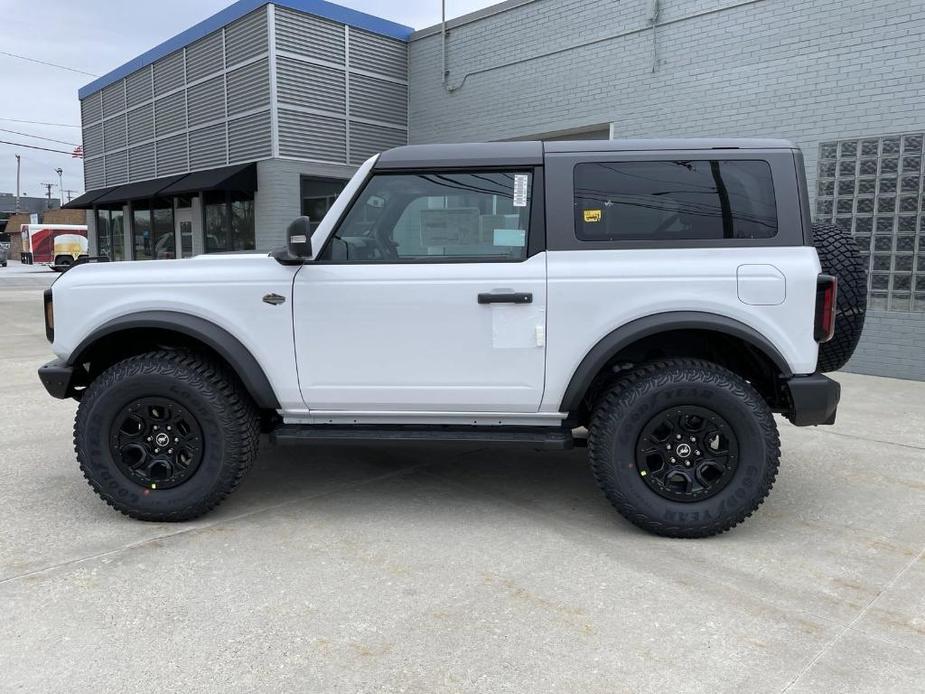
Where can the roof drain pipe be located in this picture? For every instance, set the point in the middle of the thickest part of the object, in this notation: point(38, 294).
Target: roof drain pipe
point(446, 73)
point(655, 10)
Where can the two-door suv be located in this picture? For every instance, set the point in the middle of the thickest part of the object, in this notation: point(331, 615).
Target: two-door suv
point(655, 300)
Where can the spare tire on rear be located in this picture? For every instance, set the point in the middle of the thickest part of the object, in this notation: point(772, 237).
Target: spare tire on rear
point(840, 257)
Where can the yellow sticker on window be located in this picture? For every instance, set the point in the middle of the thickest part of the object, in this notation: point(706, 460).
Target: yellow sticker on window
point(592, 216)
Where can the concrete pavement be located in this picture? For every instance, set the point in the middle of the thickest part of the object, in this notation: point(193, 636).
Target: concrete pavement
point(463, 570)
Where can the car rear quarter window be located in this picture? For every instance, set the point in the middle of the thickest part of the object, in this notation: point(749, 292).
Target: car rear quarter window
point(706, 199)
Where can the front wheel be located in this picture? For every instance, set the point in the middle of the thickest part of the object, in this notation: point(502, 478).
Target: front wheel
point(684, 448)
point(165, 436)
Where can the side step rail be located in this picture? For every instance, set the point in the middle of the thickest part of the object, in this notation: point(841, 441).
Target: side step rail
point(554, 438)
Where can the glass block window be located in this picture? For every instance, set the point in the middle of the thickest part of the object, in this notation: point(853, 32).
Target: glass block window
point(873, 187)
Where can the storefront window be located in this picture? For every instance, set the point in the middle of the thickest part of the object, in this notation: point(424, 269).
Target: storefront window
point(103, 234)
point(117, 227)
point(164, 241)
point(110, 240)
point(141, 231)
point(229, 222)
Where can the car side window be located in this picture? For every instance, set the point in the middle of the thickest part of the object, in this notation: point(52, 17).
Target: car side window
point(435, 216)
point(672, 200)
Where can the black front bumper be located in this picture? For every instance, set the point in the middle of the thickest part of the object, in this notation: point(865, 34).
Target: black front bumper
point(813, 400)
point(58, 379)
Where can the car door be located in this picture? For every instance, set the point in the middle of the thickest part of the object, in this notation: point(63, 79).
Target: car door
point(429, 296)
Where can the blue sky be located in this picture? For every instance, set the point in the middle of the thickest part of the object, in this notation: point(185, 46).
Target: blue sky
point(96, 36)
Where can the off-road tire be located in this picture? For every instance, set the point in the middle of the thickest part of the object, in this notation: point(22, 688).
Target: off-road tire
point(213, 395)
point(840, 257)
point(623, 412)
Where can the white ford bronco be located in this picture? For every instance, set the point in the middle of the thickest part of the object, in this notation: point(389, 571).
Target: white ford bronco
point(654, 300)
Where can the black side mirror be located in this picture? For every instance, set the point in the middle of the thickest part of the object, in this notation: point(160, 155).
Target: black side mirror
point(299, 238)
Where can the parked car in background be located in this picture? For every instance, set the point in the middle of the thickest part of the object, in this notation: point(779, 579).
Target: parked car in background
point(55, 245)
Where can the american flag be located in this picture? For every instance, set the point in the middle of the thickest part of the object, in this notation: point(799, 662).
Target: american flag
point(78, 152)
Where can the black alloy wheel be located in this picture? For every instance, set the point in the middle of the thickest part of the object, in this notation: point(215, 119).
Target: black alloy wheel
point(156, 443)
point(687, 453)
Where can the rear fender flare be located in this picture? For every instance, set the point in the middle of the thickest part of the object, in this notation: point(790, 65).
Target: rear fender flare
point(626, 335)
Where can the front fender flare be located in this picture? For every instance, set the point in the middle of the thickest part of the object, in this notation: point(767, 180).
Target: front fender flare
point(625, 335)
point(216, 338)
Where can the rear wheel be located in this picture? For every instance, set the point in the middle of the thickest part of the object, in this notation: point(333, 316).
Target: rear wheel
point(165, 436)
point(684, 448)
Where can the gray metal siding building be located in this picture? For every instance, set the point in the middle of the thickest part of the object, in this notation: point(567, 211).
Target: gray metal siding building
point(307, 90)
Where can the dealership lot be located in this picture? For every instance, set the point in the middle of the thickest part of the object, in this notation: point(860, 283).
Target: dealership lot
point(464, 569)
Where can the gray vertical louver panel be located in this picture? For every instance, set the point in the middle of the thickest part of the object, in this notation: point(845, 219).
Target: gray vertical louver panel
point(378, 54)
point(171, 155)
point(141, 124)
point(378, 100)
point(141, 163)
point(206, 101)
point(170, 114)
point(249, 138)
point(312, 137)
point(168, 73)
point(311, 86)
point(249, 87)
point(204, 57)
point(367, 140)
point(138, 88)
point(93, 140)
point(117, 168)
point(297, 32)
point(114, 133)
point(113, 99)
point(246, 37)
point(93, 173)
point(91, 109)
point(207, 147)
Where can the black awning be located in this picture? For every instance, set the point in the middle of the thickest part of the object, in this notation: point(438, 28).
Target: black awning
point(137, 191)
point(85, 201)
point(241, 178)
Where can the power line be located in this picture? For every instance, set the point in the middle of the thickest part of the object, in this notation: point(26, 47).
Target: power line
point(39, 122)
point(42, 62)
point(37, 137)
point(44, 149)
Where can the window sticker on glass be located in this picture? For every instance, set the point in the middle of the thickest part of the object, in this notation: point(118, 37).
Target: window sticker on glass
point(521, 189)
point(513, 238)
point(592, 216)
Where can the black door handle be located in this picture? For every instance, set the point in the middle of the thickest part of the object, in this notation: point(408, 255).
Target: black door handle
point(515, 298)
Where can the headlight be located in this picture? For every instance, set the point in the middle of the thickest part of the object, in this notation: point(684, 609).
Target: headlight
point(49, 316)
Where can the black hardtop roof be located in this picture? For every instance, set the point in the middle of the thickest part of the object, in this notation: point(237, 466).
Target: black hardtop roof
point(530, 153)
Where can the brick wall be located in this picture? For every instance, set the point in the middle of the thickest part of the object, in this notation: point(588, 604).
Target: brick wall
point(279, 199)
point(806, 71)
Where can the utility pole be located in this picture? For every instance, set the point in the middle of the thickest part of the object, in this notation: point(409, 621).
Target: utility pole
point(70, 194)
point(17, 182)
point(48, 187)
point(59, 171)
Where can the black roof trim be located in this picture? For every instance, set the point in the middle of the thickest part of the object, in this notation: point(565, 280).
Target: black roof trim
point(666, 144)
point(461, 156)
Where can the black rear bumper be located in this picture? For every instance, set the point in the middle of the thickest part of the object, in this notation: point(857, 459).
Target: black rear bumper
point(813, 400)
point(58, 379)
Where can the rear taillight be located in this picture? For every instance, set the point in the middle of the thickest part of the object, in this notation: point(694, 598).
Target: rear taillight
point(826, 295)
point(49, 316)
